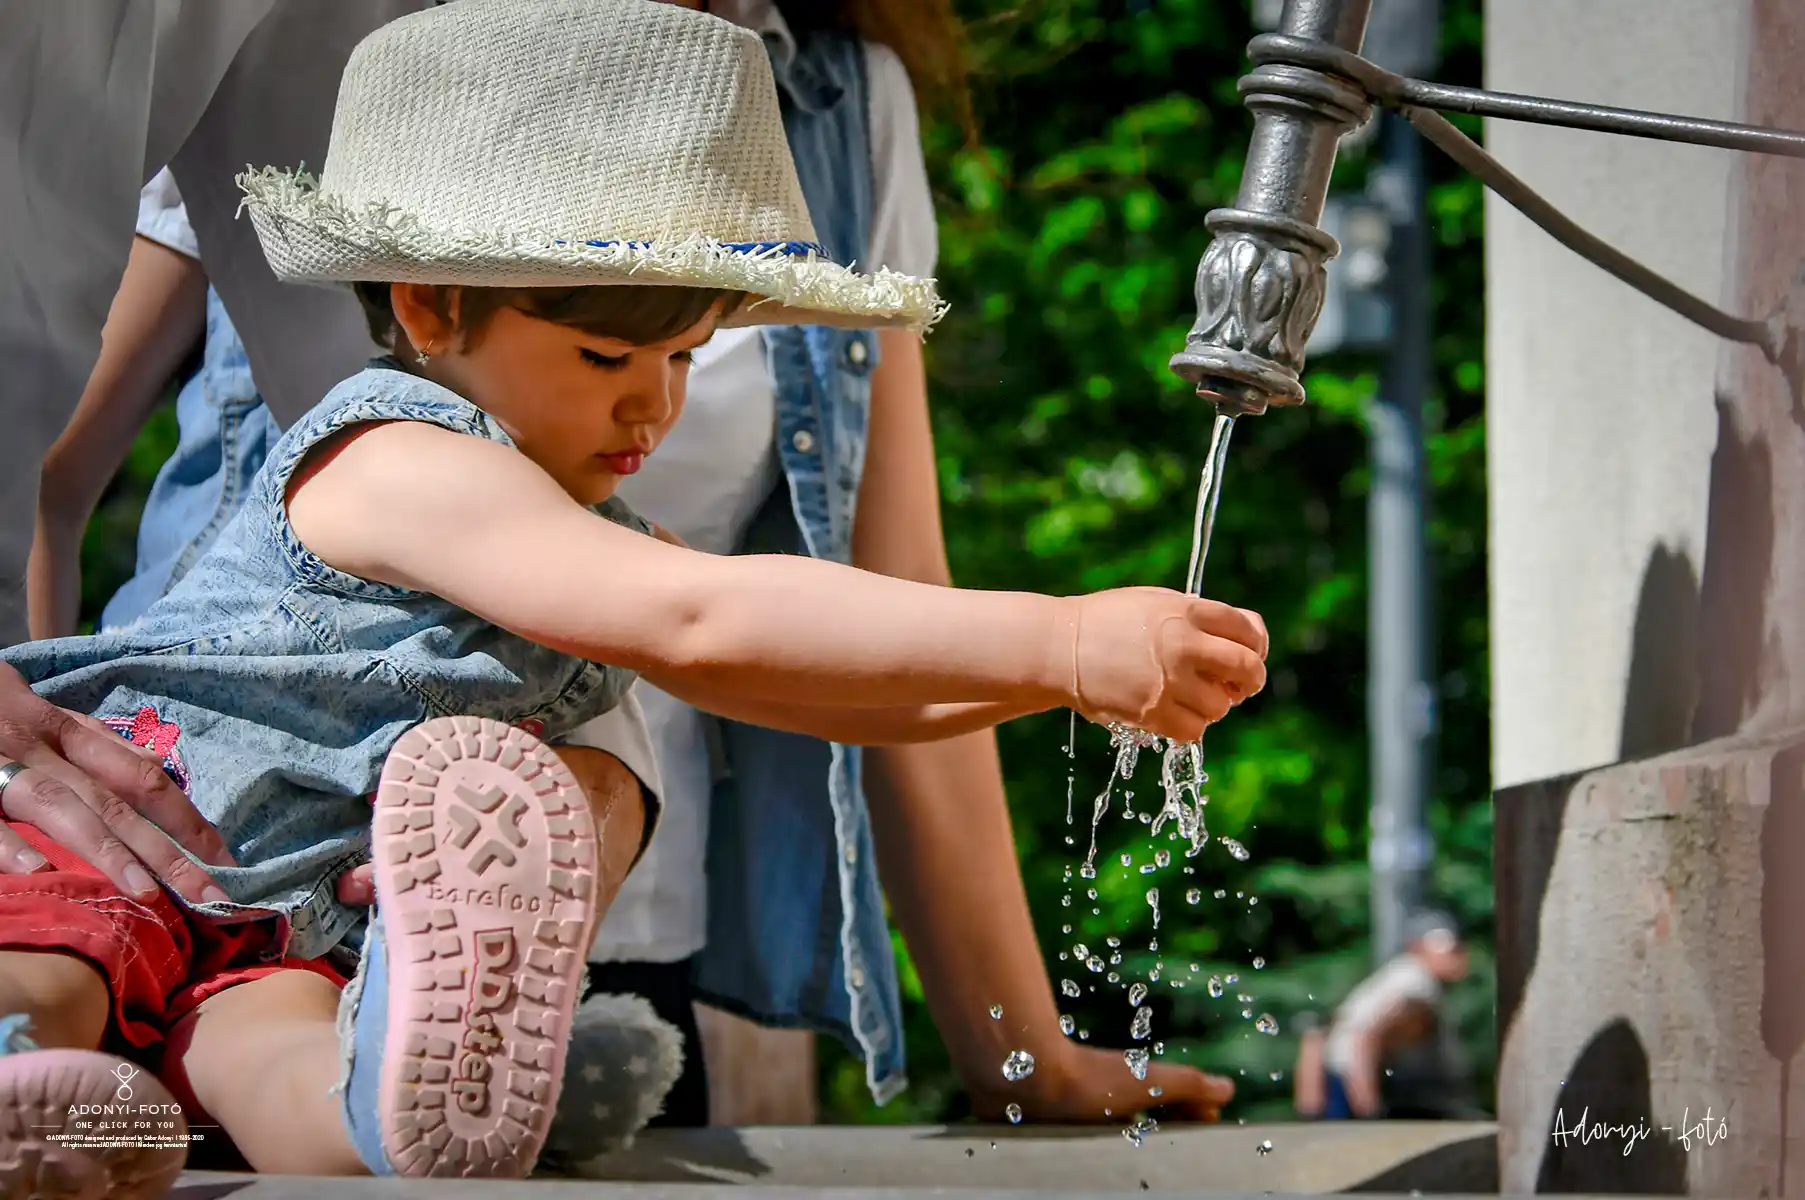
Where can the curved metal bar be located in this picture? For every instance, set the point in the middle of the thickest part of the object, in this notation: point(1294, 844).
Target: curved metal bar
point(1473, 157)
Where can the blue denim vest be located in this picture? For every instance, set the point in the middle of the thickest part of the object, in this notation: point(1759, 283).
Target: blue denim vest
point(275, 686)
point(797, 935)
point(796, 929)
point(224, 435)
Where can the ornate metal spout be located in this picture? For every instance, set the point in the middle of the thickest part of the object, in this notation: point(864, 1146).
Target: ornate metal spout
point(1261, 282)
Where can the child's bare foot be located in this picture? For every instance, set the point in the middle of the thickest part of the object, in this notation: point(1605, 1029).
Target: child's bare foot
point(485, 856)
point(48, 1151)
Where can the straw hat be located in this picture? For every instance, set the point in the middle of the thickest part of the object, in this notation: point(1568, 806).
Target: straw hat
point(556, 143)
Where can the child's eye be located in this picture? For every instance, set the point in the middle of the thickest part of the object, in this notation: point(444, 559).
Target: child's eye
point(604, 361)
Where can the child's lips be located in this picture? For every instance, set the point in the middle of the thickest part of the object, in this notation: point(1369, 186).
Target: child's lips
point(626, 463)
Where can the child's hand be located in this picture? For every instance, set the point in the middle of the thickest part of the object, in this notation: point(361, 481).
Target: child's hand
point(1161, 661)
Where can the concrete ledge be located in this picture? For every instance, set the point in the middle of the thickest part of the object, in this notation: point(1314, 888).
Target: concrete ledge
point(1305, 1159)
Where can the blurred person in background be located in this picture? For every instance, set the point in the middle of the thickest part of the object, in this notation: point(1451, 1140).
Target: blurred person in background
point(1388, 1052)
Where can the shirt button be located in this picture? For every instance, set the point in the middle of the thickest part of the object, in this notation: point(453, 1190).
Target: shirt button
point(856, 353)
point(852, 854)
point(858, 977)
point(803, 440)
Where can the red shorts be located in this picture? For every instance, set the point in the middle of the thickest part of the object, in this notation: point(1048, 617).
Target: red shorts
point(160, 960)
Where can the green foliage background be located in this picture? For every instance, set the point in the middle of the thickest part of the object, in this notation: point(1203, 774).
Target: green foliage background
point(1068, 458)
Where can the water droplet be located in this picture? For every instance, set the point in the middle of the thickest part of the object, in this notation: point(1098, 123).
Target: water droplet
point(996, 1012)
point(1259, 964)
point(1146, 817)
point(1221, 893)
point(1142, 1028)
point(1240, 895)
point(1244, 998)
point(1162, 858)
point(1252, 900)
point(1267, 1025)
point(1115, 960)
point(1068, 840)
point(1063, 955)
point(1310, 995)
point(1015, 1114)
point(1068, 987)
point(1216, 986)
point(1137, 1062)
point(970, 1153)
point(1234, 848)
point(1137, 993)
point(1194, 895)
point(1137, 1132)
point(1088, 871)
point(1190, 870)
point(993, 1145)
point(1276, 1076)
point(1265, 1148)
point(1147, 868)
point(1178, 983)
point(1247, 1014)
point(1128, 860)
point(1159, 1047)
point(1081, 952)
point(1156, 1092)
point(1065, 902)
point(1018, 1066)
point(1084, 1035)
point(1112, 942)
point(1113, 977)
point(1091, 894)
point(1193, 968)
point(1232, 979)
point(1095, 964)
point(1066, 1024)
point(1153, 945)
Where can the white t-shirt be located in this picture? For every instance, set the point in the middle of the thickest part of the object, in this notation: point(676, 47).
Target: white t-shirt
point(710, 478)
point(1399, 981)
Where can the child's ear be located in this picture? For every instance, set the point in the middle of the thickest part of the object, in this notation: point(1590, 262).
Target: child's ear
point(426, 314)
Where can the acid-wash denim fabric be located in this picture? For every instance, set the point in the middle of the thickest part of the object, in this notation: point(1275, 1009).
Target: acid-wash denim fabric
point(224, 436)
point(796, 928)
point(797, 935)
point(279, 685)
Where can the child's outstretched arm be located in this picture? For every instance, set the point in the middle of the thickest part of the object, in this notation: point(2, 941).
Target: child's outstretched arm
point(486, 528)
point(158, 314)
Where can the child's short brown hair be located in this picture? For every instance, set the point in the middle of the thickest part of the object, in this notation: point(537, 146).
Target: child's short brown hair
point(638, 314)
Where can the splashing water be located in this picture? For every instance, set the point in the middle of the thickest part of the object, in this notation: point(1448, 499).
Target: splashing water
point(1015, 1114)
point(996, 1012)
point(1137, 1132)
point(1018, 1066)
point(1142, 1028)
point(1216, 987)
point(1137, 1062)
point(1137, 993)
point(1153, 903)
point(1267, 1025)
point(1162, 858)
point(1069, 987)
point(1235, 848)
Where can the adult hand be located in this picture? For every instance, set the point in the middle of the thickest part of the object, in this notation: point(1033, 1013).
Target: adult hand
point(99, 796)
point(1077, 1084)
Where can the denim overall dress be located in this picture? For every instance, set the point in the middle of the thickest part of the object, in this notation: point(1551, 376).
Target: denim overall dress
point(276, 685)
point(797, 934)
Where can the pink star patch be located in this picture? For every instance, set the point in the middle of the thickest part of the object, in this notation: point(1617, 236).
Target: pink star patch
point(151, 733)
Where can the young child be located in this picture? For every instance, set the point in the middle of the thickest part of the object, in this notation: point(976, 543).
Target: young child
point(545, 206)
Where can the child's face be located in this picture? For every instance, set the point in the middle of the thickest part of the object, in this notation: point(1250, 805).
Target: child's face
point(587, 409)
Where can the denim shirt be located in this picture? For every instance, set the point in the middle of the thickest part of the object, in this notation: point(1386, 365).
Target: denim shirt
point(797, 935)
point(275, 686)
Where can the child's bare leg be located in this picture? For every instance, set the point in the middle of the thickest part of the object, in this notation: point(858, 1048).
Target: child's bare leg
point(64, 995)
point(281, 1113)
point(618, 805)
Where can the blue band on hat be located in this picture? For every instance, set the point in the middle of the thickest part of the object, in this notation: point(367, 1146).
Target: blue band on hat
point(739, 247)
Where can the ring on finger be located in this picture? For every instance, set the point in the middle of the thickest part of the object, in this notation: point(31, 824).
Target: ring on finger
point(9, 772)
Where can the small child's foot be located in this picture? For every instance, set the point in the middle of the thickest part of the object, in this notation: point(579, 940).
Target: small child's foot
point(50, 1151)
point(485, 855)
point(624, 1060)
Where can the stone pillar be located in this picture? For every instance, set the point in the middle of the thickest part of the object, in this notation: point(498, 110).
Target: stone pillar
point(1648, 614)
